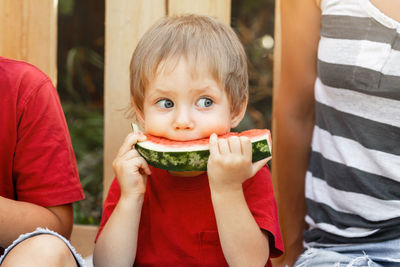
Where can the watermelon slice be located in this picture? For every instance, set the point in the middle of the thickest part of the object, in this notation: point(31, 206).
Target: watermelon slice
point(193, 155)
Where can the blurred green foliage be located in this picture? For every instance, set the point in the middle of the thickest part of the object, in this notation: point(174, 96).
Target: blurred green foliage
point(86, 130)
point(80, 85)
point(253, 21)
point(81, 75)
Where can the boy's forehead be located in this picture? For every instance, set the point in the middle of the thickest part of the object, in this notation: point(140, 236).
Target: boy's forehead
point(179, 74)
point(196, 68)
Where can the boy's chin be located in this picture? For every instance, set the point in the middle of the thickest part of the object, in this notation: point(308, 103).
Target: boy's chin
point(186, 173)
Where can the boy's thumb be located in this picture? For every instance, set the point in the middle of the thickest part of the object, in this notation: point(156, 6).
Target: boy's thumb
point(259, 164)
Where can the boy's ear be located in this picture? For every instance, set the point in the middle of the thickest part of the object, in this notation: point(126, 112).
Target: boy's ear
point(239, 114)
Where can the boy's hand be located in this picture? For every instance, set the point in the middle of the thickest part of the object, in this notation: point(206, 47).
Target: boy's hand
point(230, 163)
point(130, 168)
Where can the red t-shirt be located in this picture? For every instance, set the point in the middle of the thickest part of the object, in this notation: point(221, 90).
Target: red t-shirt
point(178, 225)
point(37, 163)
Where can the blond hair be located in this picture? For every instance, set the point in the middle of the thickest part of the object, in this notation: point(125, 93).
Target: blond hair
point(203, 42)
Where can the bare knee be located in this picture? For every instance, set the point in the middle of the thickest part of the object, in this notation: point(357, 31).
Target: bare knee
point(41, 250)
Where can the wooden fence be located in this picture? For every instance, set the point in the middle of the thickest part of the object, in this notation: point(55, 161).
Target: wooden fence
point(28, 31)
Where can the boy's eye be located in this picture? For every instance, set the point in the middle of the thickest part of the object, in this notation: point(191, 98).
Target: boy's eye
point(204, 102)
point(165, 103)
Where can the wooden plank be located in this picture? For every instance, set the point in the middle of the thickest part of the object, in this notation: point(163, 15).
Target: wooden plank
point(82, 238)
point(126, 21)
point(276, 77)
point(217, 8)
point(276, 74)
point(277, 48)
point(28, 31)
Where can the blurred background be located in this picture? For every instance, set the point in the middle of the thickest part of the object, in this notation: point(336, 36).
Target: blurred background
point(81, 76)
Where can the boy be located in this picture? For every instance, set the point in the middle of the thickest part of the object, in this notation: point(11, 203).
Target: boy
point(38, 173)
point(189, 81)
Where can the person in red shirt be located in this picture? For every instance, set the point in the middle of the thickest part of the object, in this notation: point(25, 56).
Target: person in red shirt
point(189, 81)
point(38, 172)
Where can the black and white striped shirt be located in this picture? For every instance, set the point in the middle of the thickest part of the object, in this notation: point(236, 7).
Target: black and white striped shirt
point(353, 177)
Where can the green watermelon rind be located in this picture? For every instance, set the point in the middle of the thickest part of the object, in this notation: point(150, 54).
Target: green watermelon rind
point(194, 160)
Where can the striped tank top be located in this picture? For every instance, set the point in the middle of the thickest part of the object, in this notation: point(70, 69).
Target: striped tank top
point(353, 176)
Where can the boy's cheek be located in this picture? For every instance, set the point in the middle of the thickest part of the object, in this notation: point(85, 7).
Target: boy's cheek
point(156, 131)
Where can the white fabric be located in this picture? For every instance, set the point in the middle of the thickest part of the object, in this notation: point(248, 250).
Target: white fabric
point(379, 109)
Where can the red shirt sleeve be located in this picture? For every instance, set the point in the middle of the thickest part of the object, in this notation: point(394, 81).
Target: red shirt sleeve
point(44, 167)
point(259, 195)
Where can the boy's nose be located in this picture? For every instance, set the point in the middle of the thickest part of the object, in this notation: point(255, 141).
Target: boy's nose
point(183, 120)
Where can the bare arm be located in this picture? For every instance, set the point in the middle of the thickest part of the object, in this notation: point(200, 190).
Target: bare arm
point(17, 217)
point(294, 118)
point(242, 241)
point(117, 243)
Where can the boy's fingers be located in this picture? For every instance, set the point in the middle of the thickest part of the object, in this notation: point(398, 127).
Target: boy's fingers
point(133, 153)
point(258, 165)
point(235, 145)
point(246, 146)
point(142, 165)
point(128, 143)
point(214, 145)
point(130, 140)
point(223, 146)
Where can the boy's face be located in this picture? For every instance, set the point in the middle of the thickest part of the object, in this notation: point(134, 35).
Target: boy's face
point(181, 107)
